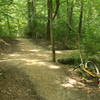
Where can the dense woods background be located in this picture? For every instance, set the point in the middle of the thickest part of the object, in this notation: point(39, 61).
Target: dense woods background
point(65, 22)
point(34, 34)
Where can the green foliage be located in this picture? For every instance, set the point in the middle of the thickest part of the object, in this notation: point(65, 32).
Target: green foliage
point(12, 18)
point(5, 2)
point(14, 22)
point(72, 59)
point(91, 43)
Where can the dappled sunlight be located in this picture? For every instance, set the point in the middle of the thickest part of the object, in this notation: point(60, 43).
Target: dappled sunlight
point(65, 51)
point(14, 55)
point(25, 60)
point(3, 60)
point(30, 61)
point(43, 55)
point(59, 52)
point(21, 59)
point(54, 67)
point(72, 83)
point(35, 63)
point(67, 85)
point(35, 50)
point(75, 82)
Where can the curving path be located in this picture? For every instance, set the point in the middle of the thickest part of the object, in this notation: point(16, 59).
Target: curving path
point(28, 74)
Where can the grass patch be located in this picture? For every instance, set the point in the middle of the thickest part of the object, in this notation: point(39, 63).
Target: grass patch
point(74, 59)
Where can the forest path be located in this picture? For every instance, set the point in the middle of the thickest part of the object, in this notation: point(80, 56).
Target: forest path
point(28, 74)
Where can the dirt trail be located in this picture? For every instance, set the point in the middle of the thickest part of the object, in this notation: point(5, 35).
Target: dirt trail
point(28, 74)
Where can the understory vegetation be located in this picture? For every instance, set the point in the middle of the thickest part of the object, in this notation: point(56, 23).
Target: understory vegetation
point(66, 24)
point(49, 49)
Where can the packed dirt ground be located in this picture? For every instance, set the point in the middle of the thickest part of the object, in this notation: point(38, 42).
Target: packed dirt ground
point(27, 73)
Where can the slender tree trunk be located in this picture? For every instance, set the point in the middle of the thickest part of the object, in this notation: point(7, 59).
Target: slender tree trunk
point(81, 19)
point(8, 24)
point(51, 18)
point(80, 29)
point(51, 32)
point(18, 27)
point(31, 11)
point(70, 6)
point(34, 35)
point(29, 17)
point(48, 23)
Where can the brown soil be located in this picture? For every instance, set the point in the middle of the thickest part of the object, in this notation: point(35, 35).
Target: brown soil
point(27, 73)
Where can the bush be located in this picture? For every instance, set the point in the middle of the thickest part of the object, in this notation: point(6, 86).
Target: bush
point(91, 43)
point(72, 59)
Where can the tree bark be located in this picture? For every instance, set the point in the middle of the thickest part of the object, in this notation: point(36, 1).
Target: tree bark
point(53, 16)
point(8, 24)
point(81, 19)
point(31, 12)
point(80, 30)
point(51, 32)
point(48, 23)
point(70, 6)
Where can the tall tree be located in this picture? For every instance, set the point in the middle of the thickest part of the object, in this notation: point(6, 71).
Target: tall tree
point(48, 23)
point(80, 29)
point(8, 24)
point(31, 13)
point(51, 17)
point(57, 2)
point(70, 6)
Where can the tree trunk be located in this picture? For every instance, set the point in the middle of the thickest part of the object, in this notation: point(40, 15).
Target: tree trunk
point(81, 19)
point(70, 6)
point(31, 11)
point(80, 30)
point(48, 23)
point(53, 16)
point(51, 31)
point(8, 24)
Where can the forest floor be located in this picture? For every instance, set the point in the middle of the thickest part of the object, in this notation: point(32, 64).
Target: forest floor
point(27, 73)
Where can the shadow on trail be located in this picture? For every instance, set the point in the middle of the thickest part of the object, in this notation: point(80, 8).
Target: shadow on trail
point(16, 85)
point(7, 44)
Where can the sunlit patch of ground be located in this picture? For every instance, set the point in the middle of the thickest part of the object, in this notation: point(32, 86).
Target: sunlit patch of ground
point(72, 83)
